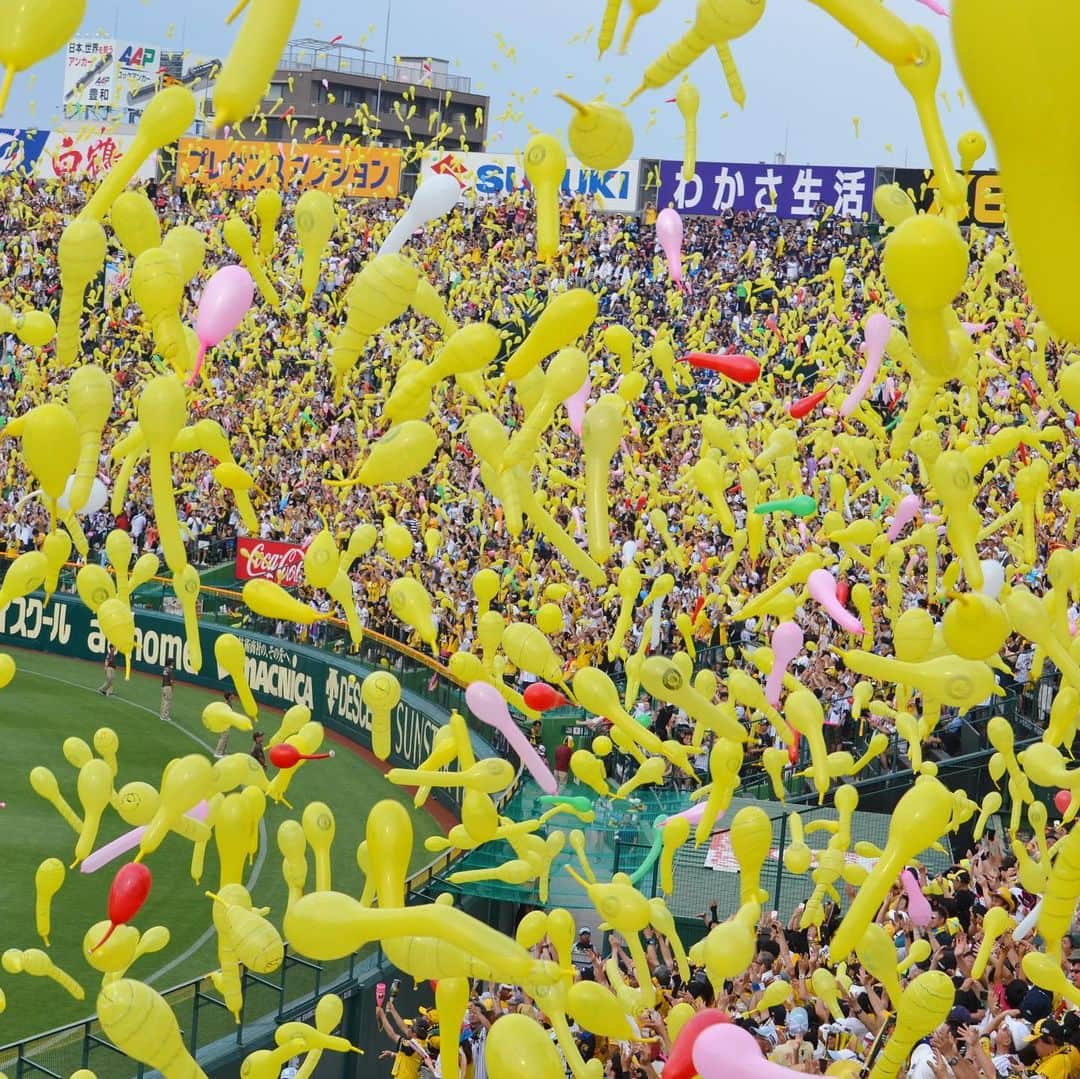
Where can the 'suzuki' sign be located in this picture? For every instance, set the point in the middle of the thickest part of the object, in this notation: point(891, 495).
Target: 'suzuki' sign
point(279, 562)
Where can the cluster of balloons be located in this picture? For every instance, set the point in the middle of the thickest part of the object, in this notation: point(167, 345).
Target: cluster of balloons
point(943, 448)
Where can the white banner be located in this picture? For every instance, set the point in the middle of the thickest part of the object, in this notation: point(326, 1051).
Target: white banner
point(86, 154)
point(137, 65)
point(501, 174)
point(89, 77)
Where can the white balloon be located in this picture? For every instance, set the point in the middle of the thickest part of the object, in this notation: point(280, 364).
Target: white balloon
point(1028, 923)
point(629, 549)
point(993, 578)
point(99, 495)
point(434, 198)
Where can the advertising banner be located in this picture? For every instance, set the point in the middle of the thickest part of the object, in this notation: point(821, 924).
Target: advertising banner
point(20, 149)
point(270, 560)
point(345, 171)
point(138, 65)
point(502, 174)
point(986, 203)
point(89, 76)
point(788, 191)
point(85, 154)
point(280, 673)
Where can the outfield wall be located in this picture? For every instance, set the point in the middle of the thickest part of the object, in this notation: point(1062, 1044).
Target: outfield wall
point(279, 672)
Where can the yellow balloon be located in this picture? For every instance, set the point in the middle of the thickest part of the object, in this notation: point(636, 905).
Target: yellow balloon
point(118, 625)
point(230, 656)
point(157, 286)
point(545, 166)
point(315, 224)
point(7, 669)
point(549, 619)
point(238, 237)
point(975, 626)
point(411, 604)
point(48, 880)
point(24, 575)
point(751, 838)
point(993, 38)
point(380, 293)
point(561, 323)
point(35, 30)
point(601, 432)
point(268, 206)
point(218, 716)
point(256, 943)
point(136, 1019)
point(589, 770)
point(380, 691)
point(877, 954)
point(529, 650)
point(90, 401)
point(599, 134)
point(729, 950)
point(485, 586)
point(922, 1008)
point(168, 116)
point(996, 922)
point(517, 1045)
point(921, 816)
point(185, 782)
point(82, 257)
point(252, 60)
point(403, 452)
point(189, 246)
point(272, 601)
point(135, 222)
point(971, 146)
point(598, 1010)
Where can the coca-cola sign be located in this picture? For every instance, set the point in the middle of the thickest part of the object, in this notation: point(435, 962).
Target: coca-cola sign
point(279, 562)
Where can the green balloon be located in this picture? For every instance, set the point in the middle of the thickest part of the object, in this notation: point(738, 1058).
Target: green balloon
point(800, 506)
point(582, 805)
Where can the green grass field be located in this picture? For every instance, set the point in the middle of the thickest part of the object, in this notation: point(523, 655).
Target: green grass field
point(52, 699)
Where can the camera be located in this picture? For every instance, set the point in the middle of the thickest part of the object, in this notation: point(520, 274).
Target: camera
point(395, 988)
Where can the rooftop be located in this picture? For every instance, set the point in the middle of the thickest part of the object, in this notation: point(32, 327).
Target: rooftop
point(311, 54)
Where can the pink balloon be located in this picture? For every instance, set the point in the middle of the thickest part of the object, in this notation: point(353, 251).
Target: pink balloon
point(726, 1051)
point(972, 328)
point(129, 841)
point(876, 336)
point(575, 406)
point(935, 7)
point(486, 703)
point(918, 906)
point(822, 588)
point(225, 301)
point(669, 233)
point(787, 642)
point(693, 814)
point(909, 505)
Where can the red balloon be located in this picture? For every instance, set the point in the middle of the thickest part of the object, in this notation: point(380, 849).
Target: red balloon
point(128, 892)
point(1062, 800)
point(541, 697)
point(286, 755)
point(843, 590)
point(680, 1064)
point(744, 369)
point(793, 749)
point(805, 405)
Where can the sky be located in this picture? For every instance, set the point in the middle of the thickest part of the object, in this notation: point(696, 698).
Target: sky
point(812, 93)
